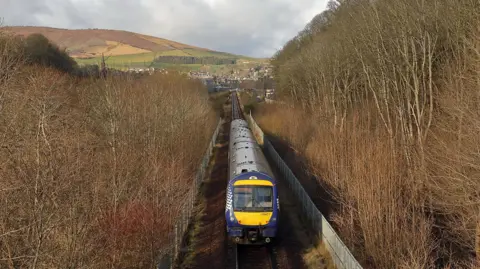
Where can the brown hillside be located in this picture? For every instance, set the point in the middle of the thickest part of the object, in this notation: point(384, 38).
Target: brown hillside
point(93, 42)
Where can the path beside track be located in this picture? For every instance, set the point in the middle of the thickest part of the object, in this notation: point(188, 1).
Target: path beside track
point(207, 247)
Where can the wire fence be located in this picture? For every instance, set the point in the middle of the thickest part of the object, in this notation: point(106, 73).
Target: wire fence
point(169, 254)
point(341, 255)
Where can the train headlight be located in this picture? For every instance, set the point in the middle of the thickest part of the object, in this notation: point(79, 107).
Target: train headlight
point(232, 217)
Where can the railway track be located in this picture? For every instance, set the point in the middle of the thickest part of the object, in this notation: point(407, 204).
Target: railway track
point(212, 249)
point(236, 111)
point(251, 256)
point(282, 253)
point(255, 257)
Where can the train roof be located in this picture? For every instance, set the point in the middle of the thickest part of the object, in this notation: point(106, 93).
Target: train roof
point(238, 124)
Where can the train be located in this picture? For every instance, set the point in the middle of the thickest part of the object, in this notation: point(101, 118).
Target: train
point(252, 203)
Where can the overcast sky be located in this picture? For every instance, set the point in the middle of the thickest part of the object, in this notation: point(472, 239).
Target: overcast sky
point(249, 27)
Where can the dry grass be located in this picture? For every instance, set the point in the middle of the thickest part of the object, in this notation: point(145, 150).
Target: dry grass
point(315, 257)
point(384, 103)
point(82, 41)
point(92, 171)
point(113, 48)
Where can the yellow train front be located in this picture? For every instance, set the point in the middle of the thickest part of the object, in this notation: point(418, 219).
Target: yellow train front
point(252, 214)
point(252, 206)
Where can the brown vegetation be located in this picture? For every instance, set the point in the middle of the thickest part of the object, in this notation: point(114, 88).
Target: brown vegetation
point(384, 103)
point(92, 42)
point(93, 171)
point(208, 238)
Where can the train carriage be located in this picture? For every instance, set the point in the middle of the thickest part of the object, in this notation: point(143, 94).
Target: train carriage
point(252, 206)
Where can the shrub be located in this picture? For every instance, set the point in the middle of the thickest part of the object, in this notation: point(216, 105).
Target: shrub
point(389, 94)
point(94, 170)
point(40, 50)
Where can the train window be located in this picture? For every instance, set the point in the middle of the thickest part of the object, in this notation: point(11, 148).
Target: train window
point(253, 198)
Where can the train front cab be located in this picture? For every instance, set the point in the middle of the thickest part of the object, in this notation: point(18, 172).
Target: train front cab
point(252, 214)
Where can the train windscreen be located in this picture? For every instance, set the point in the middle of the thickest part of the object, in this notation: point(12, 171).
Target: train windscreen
point(253, 198)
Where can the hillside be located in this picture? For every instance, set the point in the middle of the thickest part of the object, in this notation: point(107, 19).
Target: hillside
point(122, 49)
point(88, 43)
point(381, 102)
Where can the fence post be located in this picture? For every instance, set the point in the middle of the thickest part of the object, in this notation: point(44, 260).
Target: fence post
point(189, 202)
point(176, 240)
point(183, 226)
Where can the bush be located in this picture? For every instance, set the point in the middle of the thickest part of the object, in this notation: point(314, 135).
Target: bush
point(94, 171)
point(40, 50)
point(11, 57)
point(389, 94)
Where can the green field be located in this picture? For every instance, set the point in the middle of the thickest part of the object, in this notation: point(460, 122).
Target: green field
point(145, 59)
point(214, 69)
point(121, 60)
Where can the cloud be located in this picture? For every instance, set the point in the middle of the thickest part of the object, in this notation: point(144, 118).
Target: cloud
point(249, 27)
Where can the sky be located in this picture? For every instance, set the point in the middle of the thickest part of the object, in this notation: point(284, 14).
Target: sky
point(256, 28)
